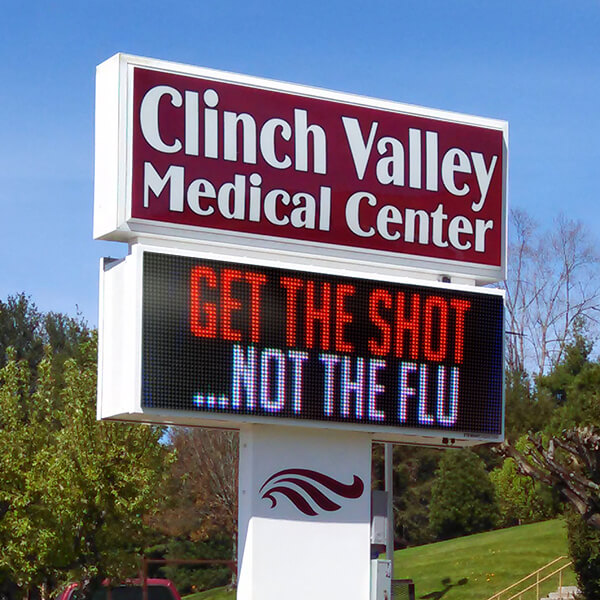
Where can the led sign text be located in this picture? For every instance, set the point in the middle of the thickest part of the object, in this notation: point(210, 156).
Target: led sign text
point(234, 339)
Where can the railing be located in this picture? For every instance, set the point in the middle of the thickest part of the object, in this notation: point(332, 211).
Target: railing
point(537, 580)
point(403, 589)
point(232, 564)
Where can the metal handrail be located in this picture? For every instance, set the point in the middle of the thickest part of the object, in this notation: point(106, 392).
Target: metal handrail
point(537, 583)
point(497, 595)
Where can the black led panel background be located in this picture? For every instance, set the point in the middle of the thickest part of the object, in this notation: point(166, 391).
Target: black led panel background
point(187, 360)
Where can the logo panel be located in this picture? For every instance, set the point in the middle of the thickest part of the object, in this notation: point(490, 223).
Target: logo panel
point(311, 492)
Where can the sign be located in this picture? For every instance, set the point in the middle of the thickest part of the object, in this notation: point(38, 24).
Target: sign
point(231, 343)
point(271, 227)
point(197, 154)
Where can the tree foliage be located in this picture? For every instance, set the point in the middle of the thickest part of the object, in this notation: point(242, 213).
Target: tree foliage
point(565, 454)
point(415, 472)
point(576, 359)
point(569, 463)
point(462, 498)
point(199, 517)
point(73, 491)
point(413, 476)
point(25, 329)
point(21, 328)
point(526, 409)
point(193, 578)
point(520, 499)
point(202, 484)
point(584, 549)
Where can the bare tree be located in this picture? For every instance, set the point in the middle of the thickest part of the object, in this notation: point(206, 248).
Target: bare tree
point(203, 484)
point(553, 282)
point(570, 463)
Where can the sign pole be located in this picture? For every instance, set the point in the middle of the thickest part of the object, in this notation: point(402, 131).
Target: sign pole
point(389, 488)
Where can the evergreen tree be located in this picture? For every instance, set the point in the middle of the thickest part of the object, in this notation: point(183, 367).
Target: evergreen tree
point(584, 549)
point(21, 327)
point(566, 455)
point(414, 473)
point(462, 497)
point(28, 331)
point(526, 410)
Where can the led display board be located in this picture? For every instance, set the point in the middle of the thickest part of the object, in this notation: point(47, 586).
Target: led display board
point(235, 342)
point(197, 154)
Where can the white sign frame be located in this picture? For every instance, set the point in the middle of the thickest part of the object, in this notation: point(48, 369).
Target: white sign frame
point(120, 357)
point(113, 172)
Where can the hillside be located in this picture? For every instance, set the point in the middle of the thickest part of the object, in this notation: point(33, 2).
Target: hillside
point(489, 561)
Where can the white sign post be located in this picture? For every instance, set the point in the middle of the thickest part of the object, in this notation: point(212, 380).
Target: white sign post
point(304, 514)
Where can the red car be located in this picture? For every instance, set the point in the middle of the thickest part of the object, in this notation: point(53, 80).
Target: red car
point(158, 589)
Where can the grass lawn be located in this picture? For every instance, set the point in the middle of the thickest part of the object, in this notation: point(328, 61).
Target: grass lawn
point(215, 594)
point(488, 561)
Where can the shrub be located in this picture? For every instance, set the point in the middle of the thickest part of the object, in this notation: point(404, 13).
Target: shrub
point(584, 548)
point(462, 496)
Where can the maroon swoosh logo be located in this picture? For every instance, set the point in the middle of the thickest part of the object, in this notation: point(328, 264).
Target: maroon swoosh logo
point(303, 487)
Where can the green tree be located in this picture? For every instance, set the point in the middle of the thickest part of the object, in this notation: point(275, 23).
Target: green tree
point(413, 476)
point(21, 327)
point(564, 384)
point(73, 491)
point(526, 410)
point(193, 578)
point(582, 401)
point(566, 455)
point(28, 331)
point(462, 496)
point(520, 499)
point(584, 549)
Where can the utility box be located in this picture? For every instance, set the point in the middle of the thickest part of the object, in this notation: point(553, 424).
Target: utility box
point(379, 519)
point(381, 580)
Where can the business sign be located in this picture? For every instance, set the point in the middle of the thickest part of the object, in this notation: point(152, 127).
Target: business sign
point(244, 343)
point(220, 158)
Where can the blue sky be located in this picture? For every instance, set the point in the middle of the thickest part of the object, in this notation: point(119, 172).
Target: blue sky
point(534, 63)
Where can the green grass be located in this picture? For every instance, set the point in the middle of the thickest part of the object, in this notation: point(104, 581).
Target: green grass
point(488, 561)
point(215, 594)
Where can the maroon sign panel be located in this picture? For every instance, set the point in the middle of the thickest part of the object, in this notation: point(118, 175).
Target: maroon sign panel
point(230, 157)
